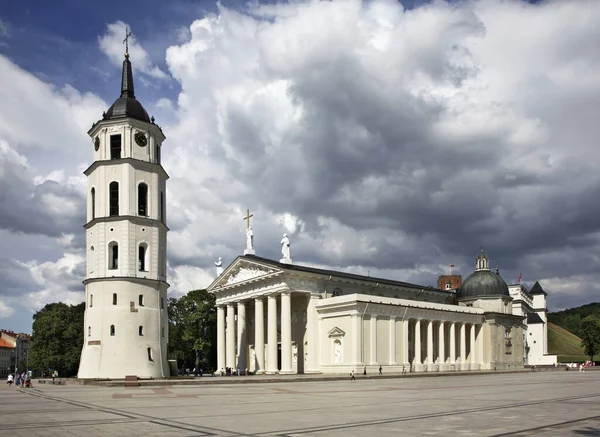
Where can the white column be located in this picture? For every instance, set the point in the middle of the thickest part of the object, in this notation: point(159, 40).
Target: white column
point(463, 347)
point(452, 339)
point(480, 347)
point(417, 361)
point(429, 361)
point(311, 335)
point(442, 345)
point(473, 349)
point(241, 337)
point(286, 332)
point(373, 339)
point(259, 334)
point(272, 364)
point(392, 359)
point(220, 338)
point(230, 348)
point(357, 334)
point(405, 342)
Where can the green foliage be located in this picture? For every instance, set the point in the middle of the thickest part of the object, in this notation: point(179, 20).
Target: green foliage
point(564, 344)
point(193, 330)
point(571, 319)
point(590, 336)
point(57, 338)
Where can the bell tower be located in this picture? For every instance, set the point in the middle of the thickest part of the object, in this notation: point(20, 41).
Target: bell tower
point(126, 323)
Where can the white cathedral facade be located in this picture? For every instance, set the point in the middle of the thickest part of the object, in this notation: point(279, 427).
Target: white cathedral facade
point(126, 323)
point(278, 317)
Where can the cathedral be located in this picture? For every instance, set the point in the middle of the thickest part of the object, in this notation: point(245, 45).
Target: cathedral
point(325, 321)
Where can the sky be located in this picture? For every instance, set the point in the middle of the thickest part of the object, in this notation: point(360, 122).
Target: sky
point(384, 137)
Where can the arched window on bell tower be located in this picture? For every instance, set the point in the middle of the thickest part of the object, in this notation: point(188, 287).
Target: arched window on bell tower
point(93, 200)
point(113, 192)
point(115, 147)
point(142, 253)
point(162, 207)
point(113, 255)
point(143, 199)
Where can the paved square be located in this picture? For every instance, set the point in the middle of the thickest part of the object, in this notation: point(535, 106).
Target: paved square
point(520, 404)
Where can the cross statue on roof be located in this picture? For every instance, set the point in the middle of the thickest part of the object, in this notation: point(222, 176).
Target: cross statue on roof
point(126, 41)
point(247, 218)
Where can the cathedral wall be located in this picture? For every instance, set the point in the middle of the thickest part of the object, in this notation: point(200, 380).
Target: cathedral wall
point(336, 342)
point(383, 340)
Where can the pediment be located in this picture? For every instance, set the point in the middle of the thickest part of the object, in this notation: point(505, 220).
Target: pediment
point(336, 332)
point(243, 271)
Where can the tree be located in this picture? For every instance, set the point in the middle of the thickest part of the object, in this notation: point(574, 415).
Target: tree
point(193, 329)
point(590, 335)
point(57, 338)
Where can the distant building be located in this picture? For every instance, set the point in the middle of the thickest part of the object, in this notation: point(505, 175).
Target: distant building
point(449, 282)
point(532, 306)
point(20, 342)
point(7, 357)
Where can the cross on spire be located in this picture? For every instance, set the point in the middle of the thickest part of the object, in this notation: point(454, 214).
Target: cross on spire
point(126, 41)
point(247, 218)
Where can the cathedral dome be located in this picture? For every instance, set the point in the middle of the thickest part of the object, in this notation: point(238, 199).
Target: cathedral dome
point(482, 283)
point(127, 105)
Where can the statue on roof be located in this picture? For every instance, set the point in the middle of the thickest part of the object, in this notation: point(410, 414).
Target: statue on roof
point(285, 249)
point(219, 265)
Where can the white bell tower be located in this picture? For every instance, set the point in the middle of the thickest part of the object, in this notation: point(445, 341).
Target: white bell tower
point(126, 323)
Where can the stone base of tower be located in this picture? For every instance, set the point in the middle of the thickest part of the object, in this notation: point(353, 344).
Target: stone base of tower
point(122, 336)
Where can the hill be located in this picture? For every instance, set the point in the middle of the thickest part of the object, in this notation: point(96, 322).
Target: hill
point(565, 344)
point(571, 319)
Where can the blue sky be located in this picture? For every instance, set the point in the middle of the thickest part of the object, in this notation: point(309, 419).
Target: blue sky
point(333, 121)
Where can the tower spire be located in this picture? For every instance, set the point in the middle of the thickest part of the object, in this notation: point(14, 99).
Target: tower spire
point(127, 77)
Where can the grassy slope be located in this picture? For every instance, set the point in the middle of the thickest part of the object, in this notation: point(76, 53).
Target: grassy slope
point(564, 344)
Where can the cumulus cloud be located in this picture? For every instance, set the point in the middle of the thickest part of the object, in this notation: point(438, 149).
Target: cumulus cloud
point(384, 141)
point(391, 139)
point(111, 44)
point(5, 310)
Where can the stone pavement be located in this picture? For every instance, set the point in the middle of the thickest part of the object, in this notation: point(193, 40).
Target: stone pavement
point(519, 404)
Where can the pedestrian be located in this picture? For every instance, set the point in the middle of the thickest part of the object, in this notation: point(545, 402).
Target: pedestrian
point(365, 370)
point(10, 379)
point(352, 377)
point(380, 370)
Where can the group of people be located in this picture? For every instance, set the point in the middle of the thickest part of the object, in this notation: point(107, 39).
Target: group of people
point(228, 371)
point(20, 379)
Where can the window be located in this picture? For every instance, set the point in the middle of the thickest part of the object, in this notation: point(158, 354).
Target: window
point(141, 300)
point(114, 298)
point(112, 330)
point(93, 200)
point(448, 286)
point(162, 303)
point(115, 147)
point(141, 331)
point(157, 153)
point(91, 300)
point(150, 354)
point(162, 207)
point(143, 199)
point(162, 331)
point(113, 255)
point(89, 331)
point(113, 192)
point(142, 257)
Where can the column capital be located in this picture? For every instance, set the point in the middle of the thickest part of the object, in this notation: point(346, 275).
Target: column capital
point(286, 292)
point(259, 299)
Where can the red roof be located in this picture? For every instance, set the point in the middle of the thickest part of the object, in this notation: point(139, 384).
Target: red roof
point(4, 343)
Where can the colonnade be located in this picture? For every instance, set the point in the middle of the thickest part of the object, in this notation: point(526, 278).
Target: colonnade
point(463, 353)
point(232, 349)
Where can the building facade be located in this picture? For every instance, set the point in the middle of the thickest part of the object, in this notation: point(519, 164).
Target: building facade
point(126, 323)
point(277, 317)
point(19, 342)
point(7, 358)
point(532, 306)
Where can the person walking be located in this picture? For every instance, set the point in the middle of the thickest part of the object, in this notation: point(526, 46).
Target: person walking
point(380, 370)
point(10, 379)
point(352, 377)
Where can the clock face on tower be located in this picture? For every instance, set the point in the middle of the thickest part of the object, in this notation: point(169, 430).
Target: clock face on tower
point(96, 143)
point(140, 139)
